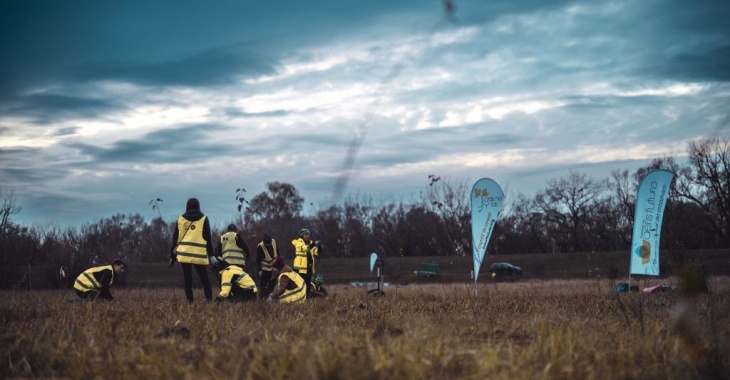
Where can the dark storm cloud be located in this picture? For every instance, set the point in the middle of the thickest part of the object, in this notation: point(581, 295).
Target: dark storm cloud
point(156, 42)
point(21, 167)
point(33, 176)
point(174, 145)
point(429, 144)
point(207, 68)
point(714, 65)
point(51, 108)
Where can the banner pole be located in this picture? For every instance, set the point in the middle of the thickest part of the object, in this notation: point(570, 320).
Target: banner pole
point(476, 291)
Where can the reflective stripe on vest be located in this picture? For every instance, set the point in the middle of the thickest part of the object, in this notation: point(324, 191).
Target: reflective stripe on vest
point(191, 247)
point(300, 260)
point(234, 274)
point(268, 261)
point(87, 282)
point(232, 253)
point(297, 295)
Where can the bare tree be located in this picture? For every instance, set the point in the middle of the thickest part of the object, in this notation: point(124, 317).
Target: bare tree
point(8, 208)
point(706, 182)
point(623, 202)
point(450, 201)
point(276, 211)
point(568, 203)
point(279, 201)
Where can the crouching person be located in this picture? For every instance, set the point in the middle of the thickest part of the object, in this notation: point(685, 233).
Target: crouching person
point(290, 286)
point(317, 289)
point(94, 282)
point(236, 285)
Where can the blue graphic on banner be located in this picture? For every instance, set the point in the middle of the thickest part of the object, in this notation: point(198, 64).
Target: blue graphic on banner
point(650, 201)
point(486, 200)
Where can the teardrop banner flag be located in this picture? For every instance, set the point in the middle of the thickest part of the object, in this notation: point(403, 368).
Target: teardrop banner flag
point(486, 200)
point(373, 259)
point(650, 201)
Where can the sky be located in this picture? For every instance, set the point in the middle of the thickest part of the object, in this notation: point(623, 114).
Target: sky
point(106, 105)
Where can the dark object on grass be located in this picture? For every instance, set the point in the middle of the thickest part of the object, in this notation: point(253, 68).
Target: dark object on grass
point(624, 287)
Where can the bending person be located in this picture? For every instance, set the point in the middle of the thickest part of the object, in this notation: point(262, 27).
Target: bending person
point(94, 283)
point(236, 285)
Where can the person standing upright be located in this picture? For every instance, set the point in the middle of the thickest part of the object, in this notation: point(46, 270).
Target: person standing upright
point(232, 248)
point(266, 253)
point(192, 247)
point(305, 251)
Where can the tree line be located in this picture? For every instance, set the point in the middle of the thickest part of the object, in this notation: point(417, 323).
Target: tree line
point(574, 213)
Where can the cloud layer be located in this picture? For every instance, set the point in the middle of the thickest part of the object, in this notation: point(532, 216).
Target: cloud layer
point(104, 106)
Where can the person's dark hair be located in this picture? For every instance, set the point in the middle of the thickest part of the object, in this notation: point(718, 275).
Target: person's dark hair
point(192, 204)
point(267, 238)
point(278, 263)
point(231, 227)
point(119, 261)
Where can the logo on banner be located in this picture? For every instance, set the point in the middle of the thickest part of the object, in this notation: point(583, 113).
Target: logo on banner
point(644, 251)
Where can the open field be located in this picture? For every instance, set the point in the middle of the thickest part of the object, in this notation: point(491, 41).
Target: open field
point(399, 269)
point(556, 329)
point(456, 269)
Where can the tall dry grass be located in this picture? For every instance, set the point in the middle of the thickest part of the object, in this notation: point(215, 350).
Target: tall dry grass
point(523, 330)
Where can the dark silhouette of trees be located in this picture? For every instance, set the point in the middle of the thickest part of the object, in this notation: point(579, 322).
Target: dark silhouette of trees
point(705, 181)
point(575, 213)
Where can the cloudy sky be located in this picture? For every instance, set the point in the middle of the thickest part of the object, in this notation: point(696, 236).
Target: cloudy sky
point(105, 105)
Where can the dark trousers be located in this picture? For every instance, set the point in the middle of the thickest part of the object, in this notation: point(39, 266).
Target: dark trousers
point(90, 295)
point(266, 283)
point(202, 274)
point(239, 295)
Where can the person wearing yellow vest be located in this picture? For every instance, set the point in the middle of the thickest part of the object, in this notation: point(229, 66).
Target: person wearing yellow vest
point(94, 282)
point(266, 253)
point(290, 286)
point(232, 247)
point(317, 289)
point(236, 285)
point(192, 247)
point(305, 251)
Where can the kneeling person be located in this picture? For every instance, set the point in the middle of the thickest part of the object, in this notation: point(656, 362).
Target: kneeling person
point(236, 285)
point(95, 282)
point(290, 287)
point(317, 289)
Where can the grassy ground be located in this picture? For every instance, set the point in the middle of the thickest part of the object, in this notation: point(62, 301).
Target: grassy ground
point(531, 329)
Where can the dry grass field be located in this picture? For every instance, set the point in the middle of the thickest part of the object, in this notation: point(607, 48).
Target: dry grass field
point(530, 329)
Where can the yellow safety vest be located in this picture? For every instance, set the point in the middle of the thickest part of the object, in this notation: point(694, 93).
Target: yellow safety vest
point(87, 282)
point(232, 253)
point(191, 247)
point(234, 275)
point(268, 260)
point(300, 258)
point(297, 295)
